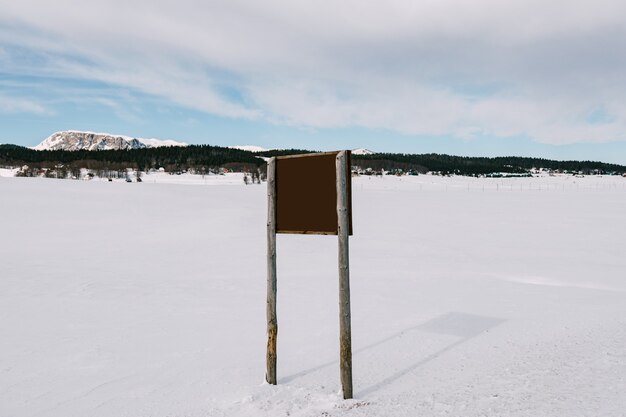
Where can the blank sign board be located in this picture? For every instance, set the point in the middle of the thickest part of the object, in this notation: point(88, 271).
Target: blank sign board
point(306, 194)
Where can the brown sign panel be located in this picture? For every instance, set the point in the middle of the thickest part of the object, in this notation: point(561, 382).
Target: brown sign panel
point(306, 193)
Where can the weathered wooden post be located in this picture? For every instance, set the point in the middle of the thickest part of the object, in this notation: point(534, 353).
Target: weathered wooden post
point(272, 323)
point(345, 332)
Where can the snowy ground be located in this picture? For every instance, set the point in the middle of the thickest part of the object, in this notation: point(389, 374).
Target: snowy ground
point(6, 172)
point(470, 297)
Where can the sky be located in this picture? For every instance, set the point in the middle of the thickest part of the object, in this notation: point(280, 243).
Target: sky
point(477, 78)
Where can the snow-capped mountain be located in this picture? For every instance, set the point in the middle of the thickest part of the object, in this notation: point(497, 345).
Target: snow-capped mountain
point(253, 148)
point(249, 148)
point(72, 140)
point(362, 151)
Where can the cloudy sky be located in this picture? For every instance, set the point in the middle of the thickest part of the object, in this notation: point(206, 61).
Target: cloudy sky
point(481, 77)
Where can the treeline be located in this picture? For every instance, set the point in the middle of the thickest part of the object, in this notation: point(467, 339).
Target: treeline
point(206, 158)
point(283, 152)
point(462, 165)
point(196, 158)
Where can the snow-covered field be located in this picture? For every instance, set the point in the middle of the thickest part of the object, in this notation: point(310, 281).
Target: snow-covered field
point(470, 297)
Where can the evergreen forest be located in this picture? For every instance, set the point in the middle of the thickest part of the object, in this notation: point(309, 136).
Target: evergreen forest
point(203, 159)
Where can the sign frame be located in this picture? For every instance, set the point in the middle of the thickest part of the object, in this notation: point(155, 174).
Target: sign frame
point(343, 231)
point(301, 195)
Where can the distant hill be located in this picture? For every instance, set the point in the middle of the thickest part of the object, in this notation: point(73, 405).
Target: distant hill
point(462, 165)
point(195, 158)
point(75, 150)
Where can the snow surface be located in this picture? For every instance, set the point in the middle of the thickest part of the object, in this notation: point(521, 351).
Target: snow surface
point(470, 297)
point(249, 148)
point(362, 151)
point(8, 172)
point(156, 143)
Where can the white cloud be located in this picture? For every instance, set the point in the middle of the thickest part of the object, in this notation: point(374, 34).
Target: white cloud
point(10, 104)
point(441, 67)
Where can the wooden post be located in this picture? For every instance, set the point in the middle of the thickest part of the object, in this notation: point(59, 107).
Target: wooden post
point(272, 323)
point(345, 333)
